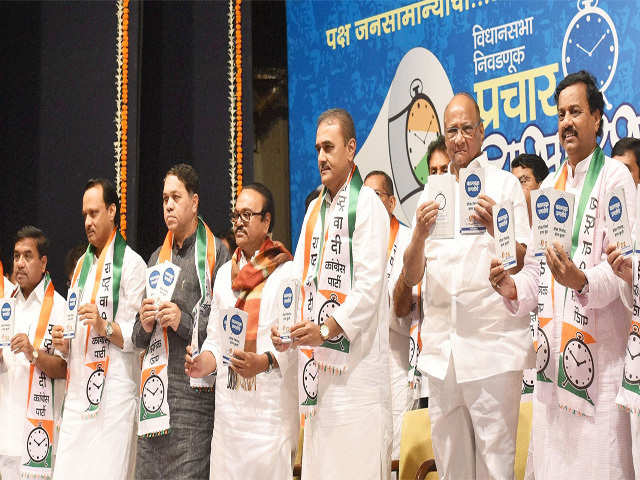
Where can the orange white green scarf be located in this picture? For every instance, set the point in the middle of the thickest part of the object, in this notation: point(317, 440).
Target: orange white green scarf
point(37, 454)
point(250, 281)
point(155, 420)
point(577, 361)
point(105, 296)
point(327, 279)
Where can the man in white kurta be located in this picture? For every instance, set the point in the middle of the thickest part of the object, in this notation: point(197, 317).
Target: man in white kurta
point(101, 445)
point(256, 429)
point(14, 367)
point(350, 434)
point(473, 353)
point(569, 445)
point(403, 398)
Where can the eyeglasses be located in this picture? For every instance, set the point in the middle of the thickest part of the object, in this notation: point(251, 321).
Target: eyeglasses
point(524, 179)
point(244, 215)
point(466, 130)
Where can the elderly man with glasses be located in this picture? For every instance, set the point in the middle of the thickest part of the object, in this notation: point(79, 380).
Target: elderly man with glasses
point(473, 351)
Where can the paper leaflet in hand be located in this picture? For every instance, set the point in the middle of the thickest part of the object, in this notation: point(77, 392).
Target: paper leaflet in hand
point(7, 320)
point(471, 187)
point(504, 234)
point(288, 307)
point(71, 314)
point(161, 282)
point(234, 327)
point(441, 189)
point(561, 223)
point(540, 219)
point(618, 227)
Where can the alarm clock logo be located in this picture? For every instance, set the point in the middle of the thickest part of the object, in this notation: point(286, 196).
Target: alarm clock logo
point(615, 208)
point(542, 207)
point(591, 43)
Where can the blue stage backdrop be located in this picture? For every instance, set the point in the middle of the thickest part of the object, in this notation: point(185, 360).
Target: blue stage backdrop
point(395, 65)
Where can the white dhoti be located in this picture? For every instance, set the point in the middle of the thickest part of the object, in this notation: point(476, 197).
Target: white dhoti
point(474, 425)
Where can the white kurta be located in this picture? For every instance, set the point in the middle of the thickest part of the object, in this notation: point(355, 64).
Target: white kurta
point(102, 444)
point(464, 318)
point(403, 398)
point(14, 377)
point(255, 432)
point(350, 435)
point(574, 446)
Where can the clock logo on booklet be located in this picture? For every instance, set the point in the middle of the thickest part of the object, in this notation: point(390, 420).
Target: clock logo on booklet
point(169, 276)
point(153, 278)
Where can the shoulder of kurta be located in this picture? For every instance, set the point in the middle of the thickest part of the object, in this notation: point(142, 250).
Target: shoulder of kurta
point(223, 276)
point(133, 260)
point(153, 259)
point(617, 171)
point(369, 205)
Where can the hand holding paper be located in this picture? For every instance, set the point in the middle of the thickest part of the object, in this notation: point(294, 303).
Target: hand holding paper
point(563, 269)
point(20, 344)
point(169, 315)
point(501, 281)
point(622, 266)
point(426, 215)
point(58, 341)
point(484, 213)
point(200, 365)
point(248, 364)
point(147, 314)
point(88, 313)
point(278, 344)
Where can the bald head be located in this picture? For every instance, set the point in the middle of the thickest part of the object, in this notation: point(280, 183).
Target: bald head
point(464, 131)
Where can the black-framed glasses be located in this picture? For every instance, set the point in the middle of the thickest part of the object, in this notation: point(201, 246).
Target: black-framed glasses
point(244, 215)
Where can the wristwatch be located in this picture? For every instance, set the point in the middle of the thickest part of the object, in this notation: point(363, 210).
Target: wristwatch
point(270, 359)
point(324, 332)
point(109, 330)
point(36, 354)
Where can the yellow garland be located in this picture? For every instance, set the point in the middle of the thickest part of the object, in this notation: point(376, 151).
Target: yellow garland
point(124, 119)
point(238, 81)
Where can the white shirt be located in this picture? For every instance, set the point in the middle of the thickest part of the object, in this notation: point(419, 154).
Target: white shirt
point(600, 445)
point(363, 317)
point(14, 381)
point(254, 431)
point(464, 317)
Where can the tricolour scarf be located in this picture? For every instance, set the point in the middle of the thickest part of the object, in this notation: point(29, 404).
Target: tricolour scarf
point(327, 280)
point(155, 416)
point(578, 349)
point(629, 392)
point(37, 445)
point(249, 281)
point(105, 295)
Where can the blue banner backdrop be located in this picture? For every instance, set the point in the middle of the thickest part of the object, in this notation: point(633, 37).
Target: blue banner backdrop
point(394, 66)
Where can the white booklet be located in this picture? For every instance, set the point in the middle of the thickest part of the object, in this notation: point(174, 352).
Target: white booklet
point(442, 190)
point(7, 320)
point(161, 281)
point(289, 295)
point(561, 224)
point(471, 187)
point(618, 226)
point(71, 314)
point(234, 328)
point(504, 234)
point(540, 219)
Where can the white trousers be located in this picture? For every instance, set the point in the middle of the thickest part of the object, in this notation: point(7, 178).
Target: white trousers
point(635, 442)
point(402, 397)
point(474, 425)
point(9, 467)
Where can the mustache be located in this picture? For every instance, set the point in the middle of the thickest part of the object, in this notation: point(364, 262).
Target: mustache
point(569, 130)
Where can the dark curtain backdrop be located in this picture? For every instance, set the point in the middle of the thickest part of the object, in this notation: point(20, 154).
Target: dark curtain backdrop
point(58, 106)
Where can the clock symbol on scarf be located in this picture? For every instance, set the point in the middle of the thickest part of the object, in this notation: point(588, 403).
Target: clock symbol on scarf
point(578, 362)
point(412, 350)
point(95, 384)
point(543, 353)
point(153, 393)
point(632, 358)
point(38, 444)
point(527, 380)
point(591, 43)
point(326, 311)
point(309, 375)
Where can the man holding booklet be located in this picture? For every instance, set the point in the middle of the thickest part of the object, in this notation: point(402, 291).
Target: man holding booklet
point(256, 424)
point(582, 332)
point(104, 296)
point(175, 415)
point(472, 351)
point(29, 410)
point(343, 336)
